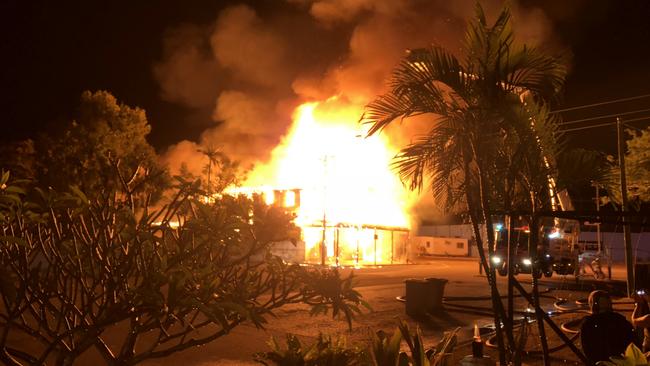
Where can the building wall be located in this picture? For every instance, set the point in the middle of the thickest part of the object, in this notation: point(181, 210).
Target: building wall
point(615, 241)
point(441, 246)
point(352, 245)
point(289, 251)
point(464, 231)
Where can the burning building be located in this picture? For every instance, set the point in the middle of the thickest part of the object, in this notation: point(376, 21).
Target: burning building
point(350, 206)
point(253, 68)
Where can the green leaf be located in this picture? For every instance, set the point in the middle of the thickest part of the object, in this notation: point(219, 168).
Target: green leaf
point(10, 199)
point(16, 190)
point(5, 178)
point(634, 354)
point(79, 194)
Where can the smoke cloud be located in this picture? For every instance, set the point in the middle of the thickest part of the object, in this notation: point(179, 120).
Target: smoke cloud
point(188, 75)
point(249, 49)
point(252, 67)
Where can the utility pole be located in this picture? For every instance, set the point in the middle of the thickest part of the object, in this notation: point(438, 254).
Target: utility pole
point(626, 227)
point(323, 244)
point(600, 244)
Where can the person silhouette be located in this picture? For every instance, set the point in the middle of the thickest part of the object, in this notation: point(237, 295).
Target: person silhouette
point(641, 316)
point(604, 333)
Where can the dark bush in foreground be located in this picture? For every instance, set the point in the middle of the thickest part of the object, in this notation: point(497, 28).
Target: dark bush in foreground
point(77, 268)
point(383, 350)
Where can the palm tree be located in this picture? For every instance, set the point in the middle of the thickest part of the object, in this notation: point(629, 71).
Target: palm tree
point(213, 156)
point(492, 141)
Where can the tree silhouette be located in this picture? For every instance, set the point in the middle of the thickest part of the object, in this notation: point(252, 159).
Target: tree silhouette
point(491, 142)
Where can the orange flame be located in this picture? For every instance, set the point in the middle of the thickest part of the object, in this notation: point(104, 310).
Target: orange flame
point(348, 195)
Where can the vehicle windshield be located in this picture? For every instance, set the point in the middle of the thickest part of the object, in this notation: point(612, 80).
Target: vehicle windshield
point(520, 237)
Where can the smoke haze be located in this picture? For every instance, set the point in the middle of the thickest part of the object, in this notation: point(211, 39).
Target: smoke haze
point(250, 69)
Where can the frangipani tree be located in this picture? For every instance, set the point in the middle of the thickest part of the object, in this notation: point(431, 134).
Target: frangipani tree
point(83, 274)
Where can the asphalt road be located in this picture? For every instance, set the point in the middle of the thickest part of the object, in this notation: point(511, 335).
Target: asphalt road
point(380, 287)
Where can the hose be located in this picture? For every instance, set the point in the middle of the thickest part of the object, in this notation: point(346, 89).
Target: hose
point(488, 297)
point(468, 311)
point(481, 298)
point(490, 341)
point(566, 326)
point(479, 308)
point(554, 349)
point(559, 304)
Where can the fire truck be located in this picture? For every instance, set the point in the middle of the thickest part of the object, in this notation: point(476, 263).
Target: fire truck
point(557, 248)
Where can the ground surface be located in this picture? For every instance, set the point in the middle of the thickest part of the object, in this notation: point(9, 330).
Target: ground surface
point(467, 303)
point(380, 287)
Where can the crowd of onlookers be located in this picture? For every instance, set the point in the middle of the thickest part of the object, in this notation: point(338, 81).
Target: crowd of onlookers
point(606, 333)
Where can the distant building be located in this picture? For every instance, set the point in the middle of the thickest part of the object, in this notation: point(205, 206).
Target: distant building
point(611, 241)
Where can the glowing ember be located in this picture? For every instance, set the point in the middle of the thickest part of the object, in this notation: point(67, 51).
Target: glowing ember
point(340, 184)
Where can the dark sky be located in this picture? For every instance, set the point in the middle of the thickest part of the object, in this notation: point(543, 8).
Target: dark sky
point(51, 51)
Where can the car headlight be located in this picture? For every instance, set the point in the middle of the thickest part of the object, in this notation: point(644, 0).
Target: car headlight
point(555, 235)
point(526, 262)
point(496, 260)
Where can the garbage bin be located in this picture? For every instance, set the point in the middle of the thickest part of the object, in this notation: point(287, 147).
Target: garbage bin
point(418, 297)
point(437, 290)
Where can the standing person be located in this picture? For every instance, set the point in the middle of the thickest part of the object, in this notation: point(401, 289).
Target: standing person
point(604, 333)
point(641, 316)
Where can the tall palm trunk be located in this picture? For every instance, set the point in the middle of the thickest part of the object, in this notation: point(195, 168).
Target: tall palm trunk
point(472, 101)
point(487, 218)
point(494, 292)
point(499, 312)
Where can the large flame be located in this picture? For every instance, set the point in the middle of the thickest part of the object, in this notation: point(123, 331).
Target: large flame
point(349, 198)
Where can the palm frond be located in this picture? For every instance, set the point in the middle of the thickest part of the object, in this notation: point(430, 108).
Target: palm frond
point(427, 161)
point(545, 127)
point(428, 81)
point(536, 72)
point(501, 66)
point(385, 109)
point(481, 117)
point(430, 68)
point(580, 167)
point(487, 47)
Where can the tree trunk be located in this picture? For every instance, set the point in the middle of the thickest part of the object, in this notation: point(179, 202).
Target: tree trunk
point(496, 300)
point(7, 359)
point(499, 311)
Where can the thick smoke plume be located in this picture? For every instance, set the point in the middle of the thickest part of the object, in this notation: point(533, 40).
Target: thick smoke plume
point(250, 69)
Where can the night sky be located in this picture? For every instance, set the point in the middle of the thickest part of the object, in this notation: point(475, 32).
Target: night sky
point(51, 51)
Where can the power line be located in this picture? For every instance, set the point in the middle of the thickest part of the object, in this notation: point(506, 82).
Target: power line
point(632, 127)
point(607, 124)
point(602, 117)
point(637, 119)
point(601, 103)
point(588, 127)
